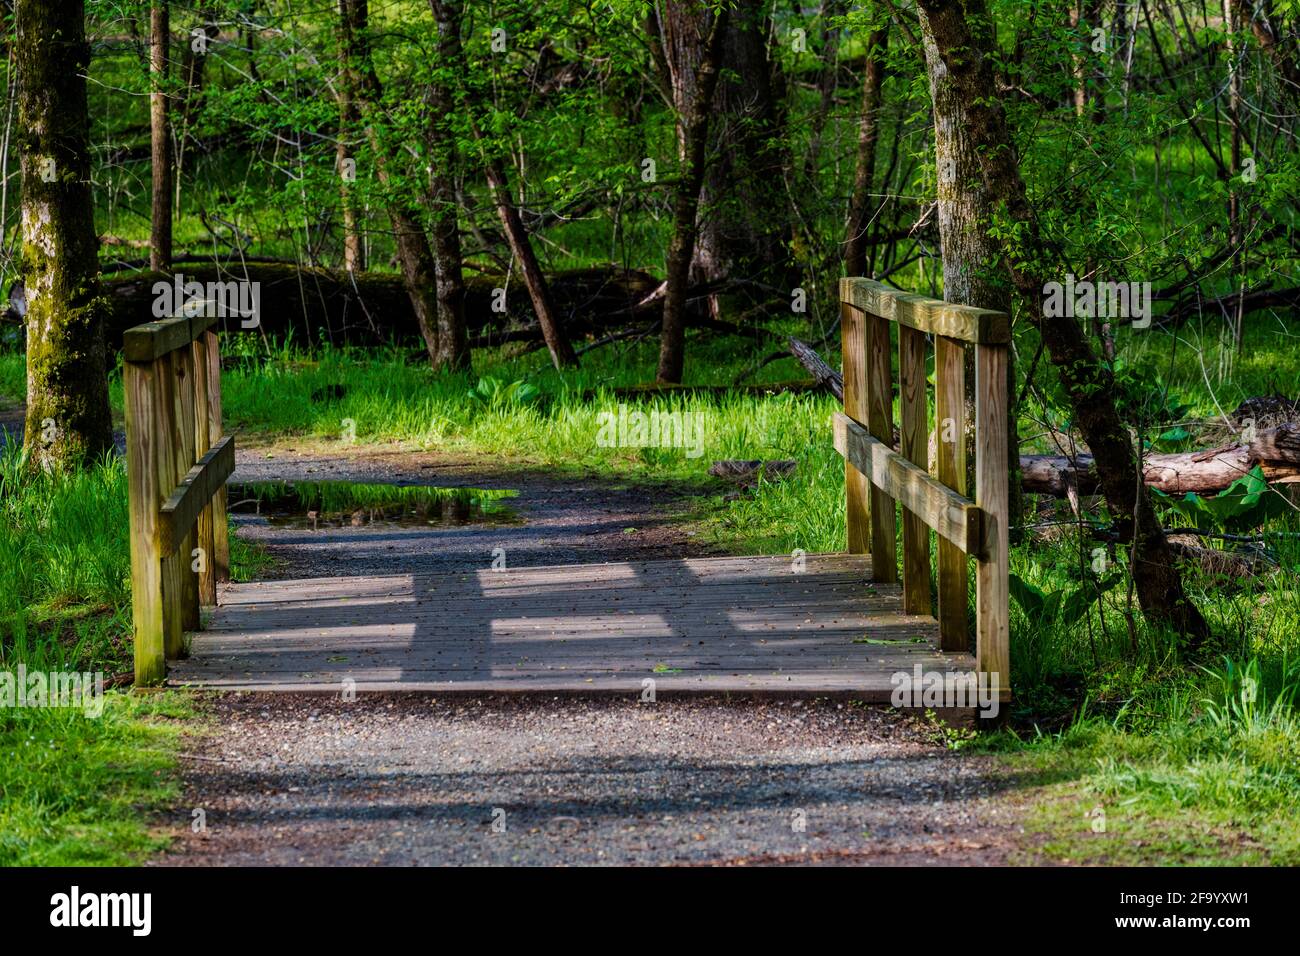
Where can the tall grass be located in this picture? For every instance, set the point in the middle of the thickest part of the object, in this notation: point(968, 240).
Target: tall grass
point(64, 565)
point(73, 786)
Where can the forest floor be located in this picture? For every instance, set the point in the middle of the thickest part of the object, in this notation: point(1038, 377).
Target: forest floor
point(409, 779)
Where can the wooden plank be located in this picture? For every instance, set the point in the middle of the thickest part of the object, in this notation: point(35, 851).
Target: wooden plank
point(926, 315)
point(185, 460)
point(486, 632)
point(169, 474)
point(992, 588)
point(183, 506)
point(950, 468)
point(914, 437)
point(202, 444)
point(220, 525)
point(880, 423)
point(151, 340)
point(139, 389)
point(853, 337)
point(952, 516)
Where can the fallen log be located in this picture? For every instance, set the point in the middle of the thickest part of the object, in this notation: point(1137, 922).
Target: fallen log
point(745, 472)
point(1275, 450)
point(372, 308)
point(659, 389)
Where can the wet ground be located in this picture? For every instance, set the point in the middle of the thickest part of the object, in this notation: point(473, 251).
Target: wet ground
point(534, 518)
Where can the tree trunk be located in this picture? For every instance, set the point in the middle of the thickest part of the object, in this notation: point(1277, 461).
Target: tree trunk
point(68, 419)
point(453, 341)
point(418, 270)
point(354, 250)
point(861, 205)
point(693, 134)
point(971, 273)
point(557, 342)
point(1280, 48)
point(745, 231)
point(1087, 382)
point(160, 140)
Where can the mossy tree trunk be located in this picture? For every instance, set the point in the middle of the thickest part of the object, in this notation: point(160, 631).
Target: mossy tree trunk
point(68, 419)
point(959, 31)
point(972, 266)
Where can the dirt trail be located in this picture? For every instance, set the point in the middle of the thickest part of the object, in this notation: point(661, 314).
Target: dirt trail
point(410, 779)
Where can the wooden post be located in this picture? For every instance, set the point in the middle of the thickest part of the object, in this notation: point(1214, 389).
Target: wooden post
point(880, 422)
point(185, 459)
point(202, 442)
point(853, 339)
point(950, 468)
point(914, 446)
point(140, 387)
point(992, 590)
point(169, 475)
point(220, 559)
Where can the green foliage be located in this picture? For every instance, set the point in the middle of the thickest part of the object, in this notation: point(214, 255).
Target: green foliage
point(1065, 607)
point(494, 394)
point(1244, 505)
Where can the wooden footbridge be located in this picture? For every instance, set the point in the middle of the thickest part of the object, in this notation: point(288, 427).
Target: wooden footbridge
point(821, 625)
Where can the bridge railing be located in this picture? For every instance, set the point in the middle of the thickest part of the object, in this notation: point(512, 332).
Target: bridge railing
point(878, 477)
point(177, 465)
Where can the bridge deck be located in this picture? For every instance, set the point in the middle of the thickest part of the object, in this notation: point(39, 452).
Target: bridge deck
point(706, 625)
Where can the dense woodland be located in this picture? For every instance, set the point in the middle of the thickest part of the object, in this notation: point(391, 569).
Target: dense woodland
point(641, 195)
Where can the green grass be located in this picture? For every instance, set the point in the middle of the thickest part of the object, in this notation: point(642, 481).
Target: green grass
point(76, 790)
point(1209, 774)
point(385, 398)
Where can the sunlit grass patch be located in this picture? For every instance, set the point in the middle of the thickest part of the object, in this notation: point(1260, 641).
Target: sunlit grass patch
point(77, 790)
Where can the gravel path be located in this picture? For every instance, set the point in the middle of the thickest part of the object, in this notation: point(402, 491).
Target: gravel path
point(409, 779)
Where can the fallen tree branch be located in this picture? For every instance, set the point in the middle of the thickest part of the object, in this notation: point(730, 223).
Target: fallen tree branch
point(823, 374)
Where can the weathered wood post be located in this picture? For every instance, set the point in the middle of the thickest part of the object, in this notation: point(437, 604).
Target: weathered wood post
point(950, 468)
point(880, 423)
point(176, 469)
point(220, 527)
point(853, 338)
point(992, 486)
point(140, 386)
point(203, 531)
point(914, 434)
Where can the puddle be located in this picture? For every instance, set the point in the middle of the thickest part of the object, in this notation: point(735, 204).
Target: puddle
point(349, 504)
